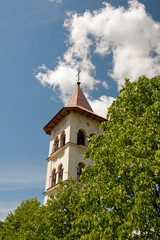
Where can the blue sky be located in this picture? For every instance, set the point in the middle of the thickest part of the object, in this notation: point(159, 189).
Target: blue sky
point(42, 45)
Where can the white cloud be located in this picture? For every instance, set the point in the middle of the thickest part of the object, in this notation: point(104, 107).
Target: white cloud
point(105, 85)
point(100, 105)
point(130, 34)
point(57, 1)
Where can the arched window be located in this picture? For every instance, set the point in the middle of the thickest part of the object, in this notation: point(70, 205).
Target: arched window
point(60, 173)
point(62, 139)
point(56, 144)
point(80, 138)
point(79, 170)
point(53, 178)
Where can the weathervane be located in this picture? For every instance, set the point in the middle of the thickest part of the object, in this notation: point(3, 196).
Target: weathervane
point(78, 75)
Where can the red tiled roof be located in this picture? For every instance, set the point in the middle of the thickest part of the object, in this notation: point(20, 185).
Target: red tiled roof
point(78, 99)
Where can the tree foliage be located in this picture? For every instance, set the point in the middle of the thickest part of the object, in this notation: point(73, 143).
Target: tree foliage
point(60, 213)
point(120, 195)
point(127, 170)
point(21, 223)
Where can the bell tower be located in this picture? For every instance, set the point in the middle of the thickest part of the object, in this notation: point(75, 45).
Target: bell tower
point(69, 131)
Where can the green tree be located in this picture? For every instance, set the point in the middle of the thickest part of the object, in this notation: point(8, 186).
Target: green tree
point(60, 213)
point(121, 195)
point(21, 223)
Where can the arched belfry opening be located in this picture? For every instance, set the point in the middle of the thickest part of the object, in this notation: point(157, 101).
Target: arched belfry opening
point(53, 177)
point(81, 137)
point(62, 139)
point(56, 144)
point(79, 170)
point(60, 171)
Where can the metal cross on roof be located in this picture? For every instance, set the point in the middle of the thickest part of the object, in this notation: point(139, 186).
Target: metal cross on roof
point(78, 75)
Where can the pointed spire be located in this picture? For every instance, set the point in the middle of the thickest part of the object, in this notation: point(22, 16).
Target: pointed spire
point(78, 99)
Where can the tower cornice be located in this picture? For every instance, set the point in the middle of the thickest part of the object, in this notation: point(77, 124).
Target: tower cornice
point(65, 110)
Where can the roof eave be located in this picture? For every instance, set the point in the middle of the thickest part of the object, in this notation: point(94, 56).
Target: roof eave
point(64, 111)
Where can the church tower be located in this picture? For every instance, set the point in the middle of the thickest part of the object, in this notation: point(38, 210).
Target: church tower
point(70, 130)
